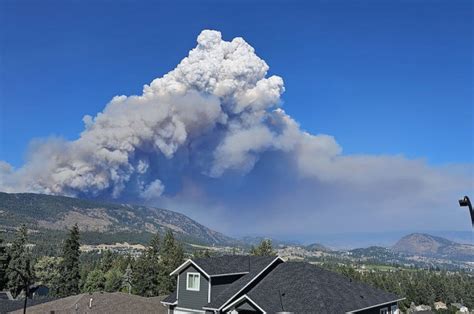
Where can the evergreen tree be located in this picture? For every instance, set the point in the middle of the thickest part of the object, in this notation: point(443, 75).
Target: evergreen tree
point(107, 260)
point(127, 279)
point(264, 249)
point(154, 245)
point(113, 280)
point(172, 255)
point(19, 272)
point(95, 281)
point(146, 274)
point(4, 260)
point(201, 253)
point(70, 276)
point(47, 272)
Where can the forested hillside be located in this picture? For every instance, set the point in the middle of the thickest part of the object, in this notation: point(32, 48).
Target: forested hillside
point(99, 221)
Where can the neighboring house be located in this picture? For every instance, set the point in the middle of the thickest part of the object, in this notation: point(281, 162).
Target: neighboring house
point(253, 284)
point(99, 302)
point(440, 306)
point(461, 308)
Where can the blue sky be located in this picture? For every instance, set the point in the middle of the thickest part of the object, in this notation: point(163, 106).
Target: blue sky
point(383, 77)
point(390, 81)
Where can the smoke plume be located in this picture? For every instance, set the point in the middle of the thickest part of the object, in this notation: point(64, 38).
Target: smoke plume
point(210, 129)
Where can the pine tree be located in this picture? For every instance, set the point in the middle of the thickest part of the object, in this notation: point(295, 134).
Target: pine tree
point(4, 260)
point(19, 272)
point(106, 261)
point(264, 249)
point(154, 245)
point(113, 280)
point(47, 272)
point(172, 255)
point(95, 281)
point(127, 279)
point(201, 253)
point(70, 276)
point(146, 274)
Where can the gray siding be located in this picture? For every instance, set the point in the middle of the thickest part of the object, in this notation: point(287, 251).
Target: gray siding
point(192, 299)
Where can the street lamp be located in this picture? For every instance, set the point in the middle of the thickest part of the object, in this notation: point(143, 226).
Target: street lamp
point(466, 202)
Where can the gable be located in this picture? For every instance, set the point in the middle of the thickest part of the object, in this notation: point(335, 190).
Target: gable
point(191, 298)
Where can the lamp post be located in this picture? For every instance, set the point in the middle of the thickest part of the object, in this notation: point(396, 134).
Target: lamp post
point(467, 202)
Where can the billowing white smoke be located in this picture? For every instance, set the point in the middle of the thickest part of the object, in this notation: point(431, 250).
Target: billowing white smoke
point(218, 113)
point(220, 93)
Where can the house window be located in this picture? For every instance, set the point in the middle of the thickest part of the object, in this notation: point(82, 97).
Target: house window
point(393, 309)
point(193, 281)
point(384, 310)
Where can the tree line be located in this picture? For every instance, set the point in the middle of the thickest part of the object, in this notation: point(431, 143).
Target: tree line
point(420, 286)
point(72, 272)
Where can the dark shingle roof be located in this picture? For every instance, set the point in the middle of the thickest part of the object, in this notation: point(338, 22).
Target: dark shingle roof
point(302, 287)
point(7, 306)
point(258, 263)
point(171, 298)
point(230, 264)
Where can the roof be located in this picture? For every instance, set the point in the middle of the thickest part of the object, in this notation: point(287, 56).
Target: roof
point(171, 298)
point(302, 287)
point(248, 266)
point(7, 306)
point(116, 303)
point(227, 264)
point(259, 263)
point(290, 286)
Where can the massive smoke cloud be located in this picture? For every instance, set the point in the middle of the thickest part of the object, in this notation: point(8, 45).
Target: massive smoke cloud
point(217, 116)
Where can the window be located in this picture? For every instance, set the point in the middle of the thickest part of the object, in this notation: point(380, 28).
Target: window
point(384, 310)
point(393, 309)
point(193, 281)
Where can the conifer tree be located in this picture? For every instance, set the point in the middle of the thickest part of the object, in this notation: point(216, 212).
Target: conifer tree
point(264, 249)
point(4, 259)
point(70, 275)
point(95, 281)
point(127, 279)
point(146, 274)
point(172, 255)
point(113, 280)
point(19, 272)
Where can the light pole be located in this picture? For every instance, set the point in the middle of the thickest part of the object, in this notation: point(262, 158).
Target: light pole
point(467, 202)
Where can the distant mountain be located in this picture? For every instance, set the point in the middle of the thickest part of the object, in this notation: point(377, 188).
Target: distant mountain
point(428, 245)
point(55, 213)
point(317, 247)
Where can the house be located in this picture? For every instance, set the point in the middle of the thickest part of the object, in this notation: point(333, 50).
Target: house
point(99, 302)
point(461, 308)
point(256, 284)
point(440, 306)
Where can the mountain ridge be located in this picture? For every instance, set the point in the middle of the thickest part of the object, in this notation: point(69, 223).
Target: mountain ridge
point(428, 245)
point(50, 212)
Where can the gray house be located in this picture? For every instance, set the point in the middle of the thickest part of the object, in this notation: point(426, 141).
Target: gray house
point(254, 284)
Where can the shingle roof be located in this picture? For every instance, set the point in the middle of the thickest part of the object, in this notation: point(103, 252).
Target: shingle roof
point(302, 287)
point(116, 303)
point(7, 306)
point(258, 263)
point(230, 264)
point(171, 298)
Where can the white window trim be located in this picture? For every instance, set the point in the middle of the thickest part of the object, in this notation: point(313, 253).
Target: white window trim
point(384, 310)
point(198, 281)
